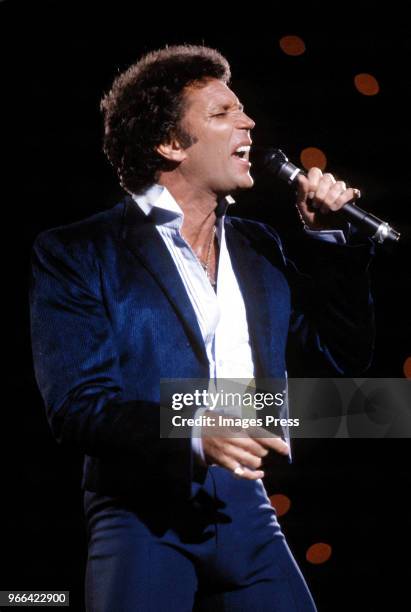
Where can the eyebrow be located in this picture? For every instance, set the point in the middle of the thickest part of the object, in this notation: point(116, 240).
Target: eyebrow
point(226, 106)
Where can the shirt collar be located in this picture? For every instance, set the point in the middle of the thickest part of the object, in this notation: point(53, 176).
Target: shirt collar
point(158, 203)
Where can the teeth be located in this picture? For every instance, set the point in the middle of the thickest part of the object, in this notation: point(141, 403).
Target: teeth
point(243, 149)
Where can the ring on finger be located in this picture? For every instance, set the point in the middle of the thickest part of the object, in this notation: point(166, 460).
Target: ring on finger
point(238, 471)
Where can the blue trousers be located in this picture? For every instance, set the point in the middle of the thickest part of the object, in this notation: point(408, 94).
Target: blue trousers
point(223, 550)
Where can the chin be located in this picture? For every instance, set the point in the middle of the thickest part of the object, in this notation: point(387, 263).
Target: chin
point(246, 183)
point(236, 184)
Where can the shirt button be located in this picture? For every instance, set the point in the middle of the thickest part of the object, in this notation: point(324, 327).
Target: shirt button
point(220, 363)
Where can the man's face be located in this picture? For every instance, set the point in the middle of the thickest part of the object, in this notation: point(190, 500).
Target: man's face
point(218, 161)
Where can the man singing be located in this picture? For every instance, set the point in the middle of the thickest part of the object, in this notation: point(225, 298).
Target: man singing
point(166, 286)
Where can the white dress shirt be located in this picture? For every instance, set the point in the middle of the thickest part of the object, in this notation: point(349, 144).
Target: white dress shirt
point(220, 313)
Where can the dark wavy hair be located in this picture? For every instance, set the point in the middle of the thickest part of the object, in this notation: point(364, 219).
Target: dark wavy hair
point(145, 106)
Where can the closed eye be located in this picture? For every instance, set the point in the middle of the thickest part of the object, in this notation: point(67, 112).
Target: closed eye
point(229, 109)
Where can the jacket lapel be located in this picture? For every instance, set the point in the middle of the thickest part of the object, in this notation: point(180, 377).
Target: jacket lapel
point(145, 242)
point(257, 290)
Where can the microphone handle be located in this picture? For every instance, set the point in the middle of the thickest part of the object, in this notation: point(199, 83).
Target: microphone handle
point(379, 229)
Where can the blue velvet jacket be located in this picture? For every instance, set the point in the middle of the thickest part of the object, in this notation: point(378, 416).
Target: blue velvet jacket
point(110, 317)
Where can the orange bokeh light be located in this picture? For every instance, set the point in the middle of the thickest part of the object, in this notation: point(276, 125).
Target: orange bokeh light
point(292, 45)
point(407, 367)
point(311, 156)
point(281, 503)
point(318, 553)
point(366, 84)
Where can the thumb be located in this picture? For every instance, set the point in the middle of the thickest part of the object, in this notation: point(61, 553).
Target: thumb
point(303, 187)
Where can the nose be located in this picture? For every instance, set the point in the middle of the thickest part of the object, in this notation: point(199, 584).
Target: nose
point(246, 122)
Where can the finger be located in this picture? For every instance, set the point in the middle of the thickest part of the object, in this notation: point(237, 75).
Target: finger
point(276, 444)
point(246, 459)
point(252, 474)
point(231, 464)
point(314, 177)
point(329, 177)
point(346, 196)
point(250, 445)
point(308, 184)
point(248, 451)
point(325, 185)
point(329, 202)
point(269, 440)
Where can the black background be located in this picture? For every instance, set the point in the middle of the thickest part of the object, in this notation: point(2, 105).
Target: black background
point(352, 494)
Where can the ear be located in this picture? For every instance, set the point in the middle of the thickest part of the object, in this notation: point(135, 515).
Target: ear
point(172, 150)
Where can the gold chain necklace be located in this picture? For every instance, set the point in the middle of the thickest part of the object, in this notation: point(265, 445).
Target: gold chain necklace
point(205, 265)
point(210, 244)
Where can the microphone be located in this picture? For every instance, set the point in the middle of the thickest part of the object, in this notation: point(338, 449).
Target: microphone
point(276, 162)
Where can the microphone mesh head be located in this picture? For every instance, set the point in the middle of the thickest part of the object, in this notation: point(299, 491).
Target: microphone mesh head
point(275, 160)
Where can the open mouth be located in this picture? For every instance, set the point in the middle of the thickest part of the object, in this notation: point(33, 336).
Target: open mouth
point(243, 153)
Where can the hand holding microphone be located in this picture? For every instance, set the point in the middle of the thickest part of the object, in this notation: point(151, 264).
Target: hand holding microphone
point(322, 192)
point(319, 194)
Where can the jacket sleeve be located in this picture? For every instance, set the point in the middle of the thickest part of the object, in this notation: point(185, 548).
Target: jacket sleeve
point(332, 320)
point(77, 365)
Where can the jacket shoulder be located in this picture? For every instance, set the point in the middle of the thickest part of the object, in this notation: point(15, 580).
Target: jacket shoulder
point(255, 230)
point(85, 234)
